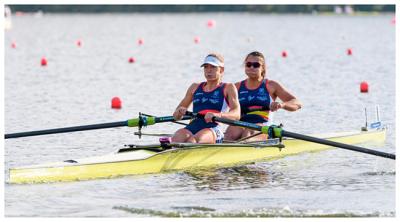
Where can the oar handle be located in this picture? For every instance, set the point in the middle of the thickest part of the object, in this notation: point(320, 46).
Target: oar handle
point(228, 121)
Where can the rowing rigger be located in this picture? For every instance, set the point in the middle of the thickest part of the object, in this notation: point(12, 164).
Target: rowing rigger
point(278, 132)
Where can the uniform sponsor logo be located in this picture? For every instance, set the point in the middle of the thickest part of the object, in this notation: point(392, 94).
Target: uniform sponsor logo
point(214, 101)
point(215, 94)
point(262, 98)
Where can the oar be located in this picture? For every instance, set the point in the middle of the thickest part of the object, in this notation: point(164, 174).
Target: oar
point(179, 123)
point(277, 132)
point(136, 122)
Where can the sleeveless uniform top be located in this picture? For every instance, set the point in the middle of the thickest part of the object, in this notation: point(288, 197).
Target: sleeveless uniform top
point(203, 102)
point(213, 101)
point(255, 99)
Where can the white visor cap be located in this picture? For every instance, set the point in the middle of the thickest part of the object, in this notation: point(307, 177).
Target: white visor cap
point(212, 60)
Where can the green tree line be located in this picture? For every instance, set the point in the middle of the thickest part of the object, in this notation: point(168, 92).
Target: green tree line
point(195, 8)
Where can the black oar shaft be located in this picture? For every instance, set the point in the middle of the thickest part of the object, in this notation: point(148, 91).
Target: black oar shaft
point(137, 122)
point(170, 119)
point(336, 144)
point(66, 129)
point(238, 123)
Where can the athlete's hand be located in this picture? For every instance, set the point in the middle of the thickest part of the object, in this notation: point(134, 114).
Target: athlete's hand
point(274, 106)
point(209, 117)
point(179, 112)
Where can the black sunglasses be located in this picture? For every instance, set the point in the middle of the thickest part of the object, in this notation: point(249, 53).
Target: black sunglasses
point(254, 64)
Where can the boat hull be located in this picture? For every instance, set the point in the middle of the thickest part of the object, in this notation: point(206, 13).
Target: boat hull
point(147, 162)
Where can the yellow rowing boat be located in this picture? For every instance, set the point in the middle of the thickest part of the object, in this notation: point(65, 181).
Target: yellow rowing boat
point(158, 159)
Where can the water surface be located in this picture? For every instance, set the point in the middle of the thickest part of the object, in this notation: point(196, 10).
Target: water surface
point(77, 86)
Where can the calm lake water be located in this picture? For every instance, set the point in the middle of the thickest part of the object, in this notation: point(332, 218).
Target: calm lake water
point(78, 83)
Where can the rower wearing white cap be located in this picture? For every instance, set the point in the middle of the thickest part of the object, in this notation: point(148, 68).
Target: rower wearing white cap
point(210, 98)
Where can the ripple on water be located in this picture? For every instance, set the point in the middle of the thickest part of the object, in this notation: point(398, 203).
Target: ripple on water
point(204, 212)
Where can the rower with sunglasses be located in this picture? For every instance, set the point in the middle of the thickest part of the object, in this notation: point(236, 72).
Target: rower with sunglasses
point(210, 98)
point(257, 98)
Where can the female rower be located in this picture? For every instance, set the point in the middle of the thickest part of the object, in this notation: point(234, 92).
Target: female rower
point(210, 98)
point(257, 98)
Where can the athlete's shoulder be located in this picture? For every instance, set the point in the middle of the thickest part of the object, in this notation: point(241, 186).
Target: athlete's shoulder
point(195, 85)
point(230, 88)
point(273, 83)
point(230, 85)
point(238, 84)
point(192, 88)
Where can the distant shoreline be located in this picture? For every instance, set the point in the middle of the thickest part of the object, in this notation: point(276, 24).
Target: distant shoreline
point(275, 9)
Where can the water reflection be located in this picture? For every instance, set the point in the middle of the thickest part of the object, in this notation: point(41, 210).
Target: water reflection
point(233, 178)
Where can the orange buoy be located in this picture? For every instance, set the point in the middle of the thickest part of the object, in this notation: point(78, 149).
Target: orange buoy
point(43, 61)
point(196, 39)
point(116, 103)
point(363, 87)
point(211, 23)
point(393, 21)
point(284, 54)
point(131, 60)
point(349, 51)
point(140, 41)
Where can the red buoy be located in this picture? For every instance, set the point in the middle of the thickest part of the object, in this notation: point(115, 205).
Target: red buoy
point(13, 45)
point(211, 23)
point(131, 60)
point(140, 41)
point(284, 54)
point(79, 43)
point(196, 39)
point(349, 51)
point(43, 61)
point(364, 87)
point(116, 103)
